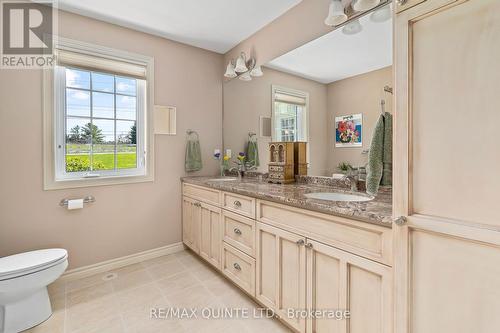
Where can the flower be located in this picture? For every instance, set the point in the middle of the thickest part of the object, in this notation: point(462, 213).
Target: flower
point(226, 158)
point(241, 156)
point(217, 155)
point(351, 126)
point(342, 126)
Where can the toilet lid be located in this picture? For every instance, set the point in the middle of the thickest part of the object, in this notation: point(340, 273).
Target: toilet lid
point(29, 262)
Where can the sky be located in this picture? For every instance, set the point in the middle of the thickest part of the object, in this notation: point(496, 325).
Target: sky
point(102, 97)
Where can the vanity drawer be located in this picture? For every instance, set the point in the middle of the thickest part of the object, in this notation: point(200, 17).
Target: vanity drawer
point(239, 268)
point(239, 232)
point(200, 193)
point(239, 204)
point(367, 240)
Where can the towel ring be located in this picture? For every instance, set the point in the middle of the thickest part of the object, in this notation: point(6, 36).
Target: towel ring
point(191, 132)
point(252, 136)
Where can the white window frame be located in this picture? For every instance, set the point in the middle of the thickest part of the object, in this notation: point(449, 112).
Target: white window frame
point(55, 175)
point(293, 92)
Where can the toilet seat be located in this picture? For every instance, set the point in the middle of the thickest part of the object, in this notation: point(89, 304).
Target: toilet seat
point(30, 262)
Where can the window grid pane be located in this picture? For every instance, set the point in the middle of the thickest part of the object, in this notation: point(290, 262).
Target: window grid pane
point(105, 136)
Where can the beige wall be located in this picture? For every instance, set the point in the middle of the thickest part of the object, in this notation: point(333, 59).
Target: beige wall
point(127, 218)
point(299, 25)
point(244, 102)
point(357, 94)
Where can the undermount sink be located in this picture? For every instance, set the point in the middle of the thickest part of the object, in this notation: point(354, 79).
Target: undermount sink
point(333, 196)
point(225, 179)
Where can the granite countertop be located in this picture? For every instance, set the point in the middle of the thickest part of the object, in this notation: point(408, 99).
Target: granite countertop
point(377, 211)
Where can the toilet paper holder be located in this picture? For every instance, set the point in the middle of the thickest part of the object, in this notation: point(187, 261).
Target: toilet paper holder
point(87, 199)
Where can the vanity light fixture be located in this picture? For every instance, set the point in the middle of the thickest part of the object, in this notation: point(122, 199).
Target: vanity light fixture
point(245, 77)
point(352, 27)
point(364, 5)
point(244, 69)
point(256, 72)
point(241, 65)
point(230, 72)
point(336, 13)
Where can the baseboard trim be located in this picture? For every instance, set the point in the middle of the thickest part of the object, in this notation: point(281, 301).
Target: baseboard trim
point(105, 266)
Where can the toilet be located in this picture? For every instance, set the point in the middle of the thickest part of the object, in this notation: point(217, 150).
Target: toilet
point(24, 277)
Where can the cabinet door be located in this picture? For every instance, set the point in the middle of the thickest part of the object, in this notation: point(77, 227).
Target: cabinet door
point(211, 234)
point(447, 239)
point(281, 272)
point(338, 280)
point(191, 223)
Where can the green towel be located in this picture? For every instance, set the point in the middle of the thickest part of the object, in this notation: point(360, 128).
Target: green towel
point(379, 168)
point(253, 152)
point(193, 155)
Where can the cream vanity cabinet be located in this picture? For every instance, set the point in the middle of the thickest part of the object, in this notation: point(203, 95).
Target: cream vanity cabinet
point(295, 261)
point(201, 223)
point(296, 271)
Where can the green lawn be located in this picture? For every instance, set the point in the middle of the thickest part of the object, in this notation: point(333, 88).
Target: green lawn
point(125, 160)
point(72, 148)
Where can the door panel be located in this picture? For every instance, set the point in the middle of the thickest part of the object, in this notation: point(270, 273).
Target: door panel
point(365, 300)
point(455, 112)
point(211, 235)
point(446, 255)
point(281, 272)
point(457, 284)
point(338, 280)
point(267, 268)
point(324, 289)
point(191, 217)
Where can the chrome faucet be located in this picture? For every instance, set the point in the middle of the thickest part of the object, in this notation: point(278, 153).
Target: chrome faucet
point(238, 170)
point(242, 167)
point(351, 180)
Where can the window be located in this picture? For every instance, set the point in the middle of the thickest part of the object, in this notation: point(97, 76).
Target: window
point(289, 114)
point(99, 127)
point(99, 116)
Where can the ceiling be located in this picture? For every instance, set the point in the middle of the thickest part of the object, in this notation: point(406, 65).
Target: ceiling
point(336, 56)
point(215, 25)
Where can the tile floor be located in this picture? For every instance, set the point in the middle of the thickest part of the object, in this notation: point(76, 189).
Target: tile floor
point(123, 304)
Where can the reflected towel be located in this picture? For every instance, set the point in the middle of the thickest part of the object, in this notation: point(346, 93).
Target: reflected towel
point(379, 168)
point(253, 152)
point(193, 155)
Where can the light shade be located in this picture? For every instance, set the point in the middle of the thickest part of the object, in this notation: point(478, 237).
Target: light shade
point(352, 28)
point(364, 5)
point(381, 15)
point(241, 65)
point(245, 77)
point(230, 73)
point(256, 71)
point(336, 14)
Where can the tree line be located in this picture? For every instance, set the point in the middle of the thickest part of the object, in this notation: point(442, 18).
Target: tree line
point(90, 133)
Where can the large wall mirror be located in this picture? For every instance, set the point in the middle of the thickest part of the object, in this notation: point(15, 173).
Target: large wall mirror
point(329, 93)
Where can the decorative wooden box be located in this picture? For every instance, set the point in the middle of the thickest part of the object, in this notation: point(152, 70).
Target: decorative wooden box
point(300, 158)
point(287, 159)
point(281, 166)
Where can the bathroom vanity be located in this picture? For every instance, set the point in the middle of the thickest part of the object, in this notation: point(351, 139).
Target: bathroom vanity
point(292, 253)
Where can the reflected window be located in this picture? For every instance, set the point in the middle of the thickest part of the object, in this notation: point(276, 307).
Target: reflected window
point(289, 115)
